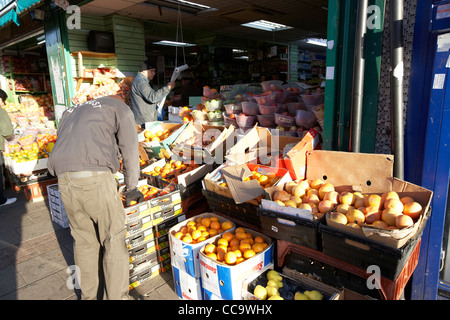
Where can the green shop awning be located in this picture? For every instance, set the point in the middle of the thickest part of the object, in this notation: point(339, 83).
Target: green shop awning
point(11, 10)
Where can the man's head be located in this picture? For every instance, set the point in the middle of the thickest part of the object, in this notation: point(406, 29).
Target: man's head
point(3, 96)
point(148, 69)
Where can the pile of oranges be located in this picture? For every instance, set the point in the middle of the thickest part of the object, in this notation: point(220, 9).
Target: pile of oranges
point(158, 136)
point(266, 179)
point(172, 169)
point(149, 192)
point(234, 248)
point(202, 228)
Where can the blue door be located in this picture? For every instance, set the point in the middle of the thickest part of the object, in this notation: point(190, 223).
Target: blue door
point(433, 271)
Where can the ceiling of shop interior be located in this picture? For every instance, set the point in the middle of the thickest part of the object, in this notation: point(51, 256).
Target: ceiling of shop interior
point(307, 17)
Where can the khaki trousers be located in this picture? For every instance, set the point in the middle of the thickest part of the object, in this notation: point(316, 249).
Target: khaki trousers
point(97, 224)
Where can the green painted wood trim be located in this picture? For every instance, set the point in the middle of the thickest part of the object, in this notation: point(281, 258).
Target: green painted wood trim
point(374, 48)
point(331, 84)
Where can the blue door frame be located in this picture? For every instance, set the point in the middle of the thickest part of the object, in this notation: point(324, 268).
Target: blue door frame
point(427, 137)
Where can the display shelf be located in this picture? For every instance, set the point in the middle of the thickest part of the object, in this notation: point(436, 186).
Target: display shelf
point(12, 78)
point(92, 54)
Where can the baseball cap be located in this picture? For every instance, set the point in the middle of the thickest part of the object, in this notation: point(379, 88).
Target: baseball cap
point(146, 65)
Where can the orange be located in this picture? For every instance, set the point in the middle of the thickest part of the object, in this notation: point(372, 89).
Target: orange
point(214, 219)
point(205, 234)
point(263, 179)
point(202, 238)
point(178, 235)
point(206, 222)
point(240, 235)
point(239, 229)
point(222, 242)
point(213, 232)
point(187, 238)
point(191, 229)
point(210, 248)
point(258, 247)
point(221, 255)
point(196, 234)
point(234, 248)
point(259, 239)
point(201, 227)
point(230, 257)
point(249, 235)
point(238, 253)
point(228, 236)
point(234, 242)
point(226, 225)
point(249, 253)
point(148, 134)
point(190, 223)
point(212, 255)
point(215, 225)
point(221, 248)
point(239, 260)
point(248, 240)
point(184, 230)
point(198, 220)
point(244, 246)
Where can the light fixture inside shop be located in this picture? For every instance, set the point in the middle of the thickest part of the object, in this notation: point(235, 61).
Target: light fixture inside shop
point(174, 43)
point(317, 41)
point(266, 25)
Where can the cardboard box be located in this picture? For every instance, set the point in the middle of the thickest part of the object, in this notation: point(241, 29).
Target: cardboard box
point(371, 174)
point(202, 143)
point(226, 281)
point(186, 286)
point(25, 167)
point(259, 144)
point(185, 256)
point(165, 214)
point(239, 190)
point(148, 273)
point(152, 232)
point(185, 180)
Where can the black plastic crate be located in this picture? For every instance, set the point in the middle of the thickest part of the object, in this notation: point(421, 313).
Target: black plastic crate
point(185, 191)
point(245, 212)
point(293, 229)
point(328, 274)
point(363, 253)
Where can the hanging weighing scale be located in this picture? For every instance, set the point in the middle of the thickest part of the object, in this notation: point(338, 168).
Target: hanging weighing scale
point(178, 70)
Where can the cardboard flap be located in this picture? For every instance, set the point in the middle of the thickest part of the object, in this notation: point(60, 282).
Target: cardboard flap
point(241, 191)
point(370, 172)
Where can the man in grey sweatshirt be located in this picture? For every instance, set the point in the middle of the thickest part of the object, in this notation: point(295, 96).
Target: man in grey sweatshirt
point(144, 99)
point(91, 138)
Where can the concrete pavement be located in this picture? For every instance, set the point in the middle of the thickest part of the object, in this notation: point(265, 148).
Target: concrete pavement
point(35, 253)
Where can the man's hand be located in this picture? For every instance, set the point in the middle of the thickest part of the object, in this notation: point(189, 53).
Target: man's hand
point(133, 195)
point(171, 85)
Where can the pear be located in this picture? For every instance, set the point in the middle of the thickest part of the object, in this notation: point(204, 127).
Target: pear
point(275, 297)
point(314, 295)
point(271, 291)
point(273, 275)
point(300, 296)
point(260, 292)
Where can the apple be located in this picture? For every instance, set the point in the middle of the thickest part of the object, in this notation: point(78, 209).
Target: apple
point(232, 116)
point(293, 128)
point(281, 128)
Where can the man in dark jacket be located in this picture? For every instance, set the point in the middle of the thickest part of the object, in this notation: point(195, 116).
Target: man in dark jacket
point(91, 137)
point(144, 99)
